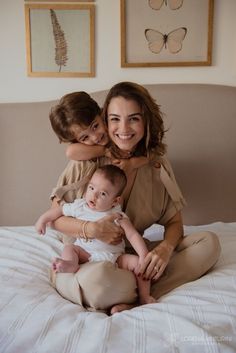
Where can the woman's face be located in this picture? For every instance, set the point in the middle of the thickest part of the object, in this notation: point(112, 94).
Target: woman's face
point(94, 134)
point(125, 123)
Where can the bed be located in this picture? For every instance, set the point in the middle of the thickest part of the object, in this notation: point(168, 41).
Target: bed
point(199, 316)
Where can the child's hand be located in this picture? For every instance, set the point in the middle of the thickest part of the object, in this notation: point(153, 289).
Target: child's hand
point(130, 164)
point(127, 165)
point(123, 164)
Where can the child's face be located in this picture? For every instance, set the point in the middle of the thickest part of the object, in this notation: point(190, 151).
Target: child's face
point(101, 193)
point(94, 134)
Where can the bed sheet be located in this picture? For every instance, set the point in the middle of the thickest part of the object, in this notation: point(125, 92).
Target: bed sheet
point(199, 316)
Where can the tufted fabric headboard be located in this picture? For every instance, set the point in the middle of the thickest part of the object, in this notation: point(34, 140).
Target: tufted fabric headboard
point(201, 138)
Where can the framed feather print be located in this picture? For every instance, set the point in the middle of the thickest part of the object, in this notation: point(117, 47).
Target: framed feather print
point(60, 0)
point(60, 40)
point(166, 32)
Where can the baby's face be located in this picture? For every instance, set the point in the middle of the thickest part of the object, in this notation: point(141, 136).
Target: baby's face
point(101, 194)
point(94, 134)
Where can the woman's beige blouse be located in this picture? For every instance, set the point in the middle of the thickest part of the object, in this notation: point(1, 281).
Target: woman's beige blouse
point(154, 198)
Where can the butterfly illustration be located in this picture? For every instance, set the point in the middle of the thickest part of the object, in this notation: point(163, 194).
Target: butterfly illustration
point(173, 4)
point(173, 40)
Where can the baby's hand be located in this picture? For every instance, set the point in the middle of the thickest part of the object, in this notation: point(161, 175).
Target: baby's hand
point(40, 227)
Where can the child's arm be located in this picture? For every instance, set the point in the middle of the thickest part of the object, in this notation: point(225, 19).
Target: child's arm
point(81, 152)
point(49, 216)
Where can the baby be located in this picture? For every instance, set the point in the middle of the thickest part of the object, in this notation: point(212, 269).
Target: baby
point(102, 197)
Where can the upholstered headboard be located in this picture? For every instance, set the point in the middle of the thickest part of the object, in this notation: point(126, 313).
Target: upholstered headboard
point(201, 123)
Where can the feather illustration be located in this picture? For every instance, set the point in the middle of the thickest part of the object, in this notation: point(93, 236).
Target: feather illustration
point(60, 41)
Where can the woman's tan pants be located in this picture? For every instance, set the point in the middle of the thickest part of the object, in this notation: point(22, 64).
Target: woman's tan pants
point(100, 285)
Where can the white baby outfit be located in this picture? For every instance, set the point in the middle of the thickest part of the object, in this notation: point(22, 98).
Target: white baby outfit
point(98, 250)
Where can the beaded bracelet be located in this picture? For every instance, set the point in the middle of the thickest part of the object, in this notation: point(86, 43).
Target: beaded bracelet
point(84, 235)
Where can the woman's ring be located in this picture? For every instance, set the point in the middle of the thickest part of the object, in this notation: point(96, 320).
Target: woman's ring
point(156, 268)
point(116, 221)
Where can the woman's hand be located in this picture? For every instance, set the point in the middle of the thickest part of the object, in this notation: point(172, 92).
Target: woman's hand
point(139, 265)
point(106, 229)
point(156, 261)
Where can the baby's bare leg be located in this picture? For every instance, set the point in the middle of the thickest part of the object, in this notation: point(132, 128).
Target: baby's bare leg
point(130, 262)
point(72, 255)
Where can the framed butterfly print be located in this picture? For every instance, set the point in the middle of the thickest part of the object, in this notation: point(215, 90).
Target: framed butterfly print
point(166, 32)
point(60, 40)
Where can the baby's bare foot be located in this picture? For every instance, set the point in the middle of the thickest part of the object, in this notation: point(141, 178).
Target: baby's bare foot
point(148, 300)
point(121, 307)
point(64, 266)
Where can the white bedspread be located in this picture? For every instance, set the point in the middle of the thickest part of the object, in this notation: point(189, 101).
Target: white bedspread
point(197, 317)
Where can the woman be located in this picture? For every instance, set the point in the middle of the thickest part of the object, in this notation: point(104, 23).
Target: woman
point(135, 128)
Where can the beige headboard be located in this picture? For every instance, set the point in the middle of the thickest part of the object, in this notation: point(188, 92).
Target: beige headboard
point(201, 123)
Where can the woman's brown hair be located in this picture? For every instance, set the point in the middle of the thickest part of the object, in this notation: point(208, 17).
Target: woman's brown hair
point(151, 113)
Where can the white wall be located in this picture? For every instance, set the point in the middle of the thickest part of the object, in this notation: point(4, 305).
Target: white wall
point(15, 86)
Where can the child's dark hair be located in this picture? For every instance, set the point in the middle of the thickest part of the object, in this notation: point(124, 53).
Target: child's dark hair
point(74, 108)
point(115, 175)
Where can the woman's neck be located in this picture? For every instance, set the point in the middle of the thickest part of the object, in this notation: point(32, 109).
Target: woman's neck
point(118, 153)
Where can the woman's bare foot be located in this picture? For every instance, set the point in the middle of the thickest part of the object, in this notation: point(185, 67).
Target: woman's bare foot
point(121, 307)
point(64, 266)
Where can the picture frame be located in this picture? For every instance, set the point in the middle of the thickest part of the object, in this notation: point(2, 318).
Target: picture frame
point(60, 40)
point(59, 1)
point(166, 33)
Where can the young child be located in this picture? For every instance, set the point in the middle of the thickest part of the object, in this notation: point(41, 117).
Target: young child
point(76, 119)
point(102, 197)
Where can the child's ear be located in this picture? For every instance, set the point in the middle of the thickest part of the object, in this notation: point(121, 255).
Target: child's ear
point(116, 201)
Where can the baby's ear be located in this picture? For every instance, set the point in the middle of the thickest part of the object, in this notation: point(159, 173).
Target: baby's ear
point(116, 201)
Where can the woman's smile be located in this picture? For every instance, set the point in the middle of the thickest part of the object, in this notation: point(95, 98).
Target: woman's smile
point(124, 136)
point(125, 123)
